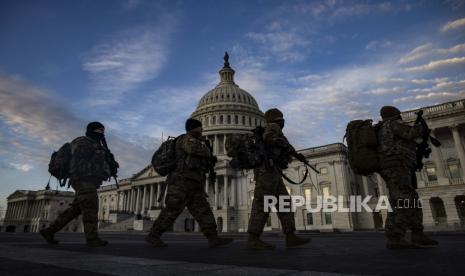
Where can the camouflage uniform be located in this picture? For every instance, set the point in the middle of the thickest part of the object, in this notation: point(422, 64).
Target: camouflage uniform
point(88, 169)
point(269, 181)
point(398, 163)
point(186, 188)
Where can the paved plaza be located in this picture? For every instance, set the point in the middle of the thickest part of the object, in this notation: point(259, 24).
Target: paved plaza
point(127, 254)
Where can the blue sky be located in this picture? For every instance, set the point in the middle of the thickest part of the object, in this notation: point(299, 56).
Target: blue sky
point(141, 66)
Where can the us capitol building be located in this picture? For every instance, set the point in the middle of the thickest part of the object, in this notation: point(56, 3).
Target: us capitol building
point(227, 109)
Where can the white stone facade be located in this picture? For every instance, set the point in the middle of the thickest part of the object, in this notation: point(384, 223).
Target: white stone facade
point(441, 183)
point(30, 211)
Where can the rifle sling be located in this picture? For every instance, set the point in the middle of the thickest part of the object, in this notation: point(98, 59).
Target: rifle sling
point(293, 182)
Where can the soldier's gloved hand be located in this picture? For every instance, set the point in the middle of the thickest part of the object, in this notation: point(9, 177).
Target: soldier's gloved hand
point(300, 157)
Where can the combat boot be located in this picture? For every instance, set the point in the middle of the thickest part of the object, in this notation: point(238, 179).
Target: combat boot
point(254, 242)
point(421, 239)
point(96, 242)
point(292, 240)
point(48, 235)
point(155, 241)
point(400, 243)
point(215, 241)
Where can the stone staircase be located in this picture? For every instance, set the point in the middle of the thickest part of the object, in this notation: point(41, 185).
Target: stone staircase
point(126, 224)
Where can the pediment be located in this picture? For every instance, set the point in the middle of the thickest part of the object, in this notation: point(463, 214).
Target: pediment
point(145, 173)
point(17, 194)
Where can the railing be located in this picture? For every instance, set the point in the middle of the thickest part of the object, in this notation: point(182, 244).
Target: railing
point(431, 183)
point(457, 181)
point(335, 146)
point(436, 109)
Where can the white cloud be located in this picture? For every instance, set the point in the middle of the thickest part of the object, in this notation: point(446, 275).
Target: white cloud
point(427, 50)
point(285, 45)
point(435, 97)
point(376, 45)
point(437, 65)
point(452, 25)
point(453, 50)
point(125, 60)
point(450, 85)
point(22, 167)
point(386, 90)
point(35, 124)
point(416, 53)
point(336, 10)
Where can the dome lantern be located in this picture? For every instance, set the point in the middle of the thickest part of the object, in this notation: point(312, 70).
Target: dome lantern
point(226, 73)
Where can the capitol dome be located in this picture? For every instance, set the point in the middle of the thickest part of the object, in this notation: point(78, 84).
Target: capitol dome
point(227, 109)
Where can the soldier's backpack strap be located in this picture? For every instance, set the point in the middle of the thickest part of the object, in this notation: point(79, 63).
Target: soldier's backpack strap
point(293, 182)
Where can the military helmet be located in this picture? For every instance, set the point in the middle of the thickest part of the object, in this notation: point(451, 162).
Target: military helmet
point(273, 114)
point(192, 124)
point(93, 126)
point(388, 112)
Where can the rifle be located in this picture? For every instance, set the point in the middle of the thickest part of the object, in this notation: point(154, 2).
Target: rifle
point(211, 167)
point(111, 162)
point(301, 158)
point(423, 148)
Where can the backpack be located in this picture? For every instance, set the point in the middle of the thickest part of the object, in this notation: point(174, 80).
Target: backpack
point(59, 164)
point(362, 145)
point(246, 150)
point(164, 159)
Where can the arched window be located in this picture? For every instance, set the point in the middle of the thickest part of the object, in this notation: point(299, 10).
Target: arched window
point(438, 210)
point(236, 119)
point(460, 205)
point(221, 119)
point(229, 119)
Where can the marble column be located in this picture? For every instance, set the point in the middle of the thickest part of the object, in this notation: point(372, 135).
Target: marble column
point(144, 199)
point(18, 209)
point(123, 200)
point(13, 209)
point(158, 195)
point(127, 196)
point(151, 196)
point(131, 197)
point(127, 200)
point(233, 192)
point(438, 161)
point(215, 144)
point(138, 194)
point(216, 195)
point(38, 209)
point(117, 201)
point(459, 148)
point(21, 209)
point(225, 191)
